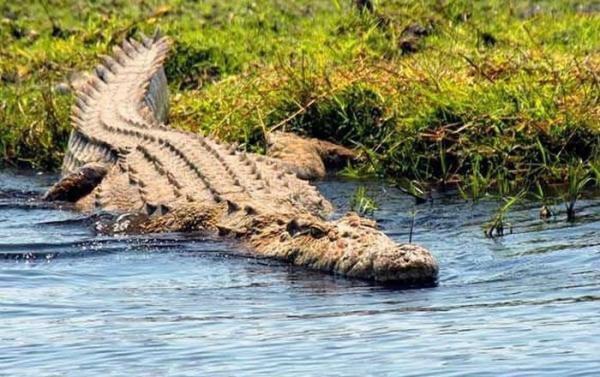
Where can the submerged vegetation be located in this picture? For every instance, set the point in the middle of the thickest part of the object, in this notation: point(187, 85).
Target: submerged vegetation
point(488, 97)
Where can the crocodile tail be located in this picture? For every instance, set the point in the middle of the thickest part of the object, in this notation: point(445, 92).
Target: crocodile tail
point(83, 148)
point(157, 94)
point(154, 106)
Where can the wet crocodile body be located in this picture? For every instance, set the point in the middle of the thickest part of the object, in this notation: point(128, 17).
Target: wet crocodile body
point(123, 158)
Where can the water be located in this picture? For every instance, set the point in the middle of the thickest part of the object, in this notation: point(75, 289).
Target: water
point(72, 303)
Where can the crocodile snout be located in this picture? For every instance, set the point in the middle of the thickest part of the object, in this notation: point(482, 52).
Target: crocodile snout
point(406, 264)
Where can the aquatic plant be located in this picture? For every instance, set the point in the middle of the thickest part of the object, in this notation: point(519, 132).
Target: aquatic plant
point(413, 217)
point(496, 227)
point(361, 202)
point(577, 179)
point(414, 188)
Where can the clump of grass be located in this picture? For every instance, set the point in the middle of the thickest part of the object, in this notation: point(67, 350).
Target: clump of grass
point(475, 185)
point(41, 139)
point(354, 114)
point(192, 66)
point(578, 178)
point(495, 228)
point(595, 169)
point(361, 202)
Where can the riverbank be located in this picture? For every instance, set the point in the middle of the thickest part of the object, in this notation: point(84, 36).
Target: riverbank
point(484, 97)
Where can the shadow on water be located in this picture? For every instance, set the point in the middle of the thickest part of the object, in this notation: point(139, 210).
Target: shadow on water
point(186, 304)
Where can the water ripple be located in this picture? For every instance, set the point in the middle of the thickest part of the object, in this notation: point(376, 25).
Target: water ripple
point(74, 303)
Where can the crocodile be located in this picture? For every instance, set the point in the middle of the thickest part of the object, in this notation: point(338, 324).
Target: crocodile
point(123, 158)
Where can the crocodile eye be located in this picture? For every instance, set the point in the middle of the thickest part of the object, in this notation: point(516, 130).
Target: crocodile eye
point(293, 227)
point(317, 232)
point(299, 228)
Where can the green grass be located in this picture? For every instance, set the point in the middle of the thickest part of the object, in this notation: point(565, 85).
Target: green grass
point(361, 202)
point(489, 96)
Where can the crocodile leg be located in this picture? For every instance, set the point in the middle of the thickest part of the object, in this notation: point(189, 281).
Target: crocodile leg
point(307, 158)
point(78, 184)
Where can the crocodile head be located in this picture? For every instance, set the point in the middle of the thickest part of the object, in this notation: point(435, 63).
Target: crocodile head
point(351, 246)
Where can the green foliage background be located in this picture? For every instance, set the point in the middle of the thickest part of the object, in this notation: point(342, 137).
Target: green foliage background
point(490, 95)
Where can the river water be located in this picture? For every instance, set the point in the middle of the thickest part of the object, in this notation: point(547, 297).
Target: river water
point(76, 304)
